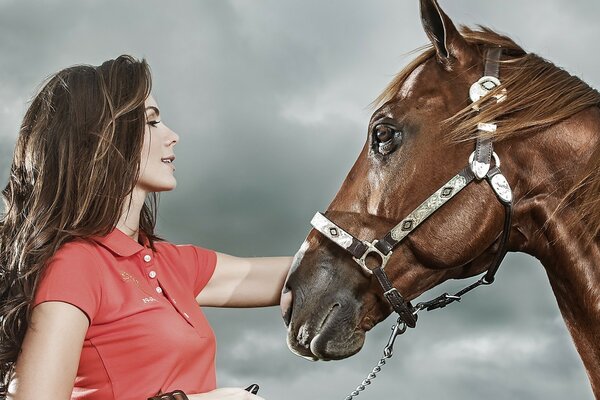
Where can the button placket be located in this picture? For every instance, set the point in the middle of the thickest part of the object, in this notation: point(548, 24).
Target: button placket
point(149, 265)
point(177, 308)
point(154, 280)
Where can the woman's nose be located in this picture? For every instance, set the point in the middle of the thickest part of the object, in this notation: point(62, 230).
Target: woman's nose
point(175, 137)
point(172, 137)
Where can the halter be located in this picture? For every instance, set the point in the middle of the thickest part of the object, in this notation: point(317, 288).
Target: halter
point(479, 167)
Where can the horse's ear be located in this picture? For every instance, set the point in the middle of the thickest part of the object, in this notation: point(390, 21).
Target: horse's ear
point(449, 44)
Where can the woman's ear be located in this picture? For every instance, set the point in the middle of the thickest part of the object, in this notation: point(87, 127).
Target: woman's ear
point(450, 47)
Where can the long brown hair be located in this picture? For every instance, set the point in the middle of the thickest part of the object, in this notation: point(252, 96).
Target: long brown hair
point(75, 163)
point(541, 95)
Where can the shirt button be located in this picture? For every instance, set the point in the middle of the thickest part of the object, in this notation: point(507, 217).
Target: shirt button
point(147, 258)
point(187, 316)
point(152, 274)
point(158, 290)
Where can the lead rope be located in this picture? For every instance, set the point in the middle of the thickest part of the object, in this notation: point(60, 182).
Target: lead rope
point(400, 327)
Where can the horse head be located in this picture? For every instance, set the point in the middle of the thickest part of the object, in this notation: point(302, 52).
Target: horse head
point(423, 132)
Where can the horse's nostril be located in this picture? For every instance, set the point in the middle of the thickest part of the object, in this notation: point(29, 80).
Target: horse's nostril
point(286, 302)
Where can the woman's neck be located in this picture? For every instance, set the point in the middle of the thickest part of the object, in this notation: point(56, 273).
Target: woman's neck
point(129, 221)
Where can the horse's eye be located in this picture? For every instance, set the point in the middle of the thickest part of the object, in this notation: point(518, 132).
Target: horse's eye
point(384, 137)
point(384, 133)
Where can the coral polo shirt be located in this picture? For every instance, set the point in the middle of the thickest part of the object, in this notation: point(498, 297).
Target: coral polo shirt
point(147, 334)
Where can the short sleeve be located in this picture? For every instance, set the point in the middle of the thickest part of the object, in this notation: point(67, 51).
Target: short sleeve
point(204, 262)
point(71, 276)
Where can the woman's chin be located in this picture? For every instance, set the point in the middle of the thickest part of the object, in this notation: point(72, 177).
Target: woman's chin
point(168, 188)
point(165, 186)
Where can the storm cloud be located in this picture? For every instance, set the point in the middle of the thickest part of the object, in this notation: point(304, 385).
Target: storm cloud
point(271, 100)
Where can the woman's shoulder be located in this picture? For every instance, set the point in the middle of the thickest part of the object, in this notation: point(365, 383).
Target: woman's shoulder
point(72, 275)
point(77, 251)
point(181, 249)
point(196, 264)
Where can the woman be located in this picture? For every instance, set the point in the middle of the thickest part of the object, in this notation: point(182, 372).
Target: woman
point(92, 303)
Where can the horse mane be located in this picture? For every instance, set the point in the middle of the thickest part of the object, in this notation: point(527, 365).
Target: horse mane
point(540, 94)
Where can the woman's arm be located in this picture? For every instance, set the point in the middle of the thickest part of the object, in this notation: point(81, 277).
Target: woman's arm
point(245, 282)
point(47, 365)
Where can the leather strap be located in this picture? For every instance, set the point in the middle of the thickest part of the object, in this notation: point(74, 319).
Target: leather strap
point(400, 306)
point(508, 211)
point(482, 158)
point(492, 61)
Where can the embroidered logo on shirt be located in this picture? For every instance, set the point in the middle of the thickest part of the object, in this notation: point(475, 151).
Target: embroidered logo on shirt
point(129, 278)
point(147, 300)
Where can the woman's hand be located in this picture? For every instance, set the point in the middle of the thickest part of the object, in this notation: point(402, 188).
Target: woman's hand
point(225, 394)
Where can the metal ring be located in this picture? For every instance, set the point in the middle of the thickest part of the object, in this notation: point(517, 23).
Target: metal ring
point(496, 158)
point(362, 261)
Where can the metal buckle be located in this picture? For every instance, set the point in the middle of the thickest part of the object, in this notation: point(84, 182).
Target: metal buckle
point(479, 168)
point(362, 261)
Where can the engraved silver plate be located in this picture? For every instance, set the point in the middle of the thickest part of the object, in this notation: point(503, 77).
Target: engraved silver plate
point(479, 169)
point(502, 188)
point(428, 207)
point(332, 231)
point(482, 87)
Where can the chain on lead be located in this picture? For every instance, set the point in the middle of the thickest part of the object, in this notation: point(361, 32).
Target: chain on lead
point(398, 329)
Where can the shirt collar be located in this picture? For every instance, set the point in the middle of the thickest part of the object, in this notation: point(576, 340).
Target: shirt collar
point(120, 243)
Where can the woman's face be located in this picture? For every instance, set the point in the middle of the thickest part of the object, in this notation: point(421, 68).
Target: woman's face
point(156, 173)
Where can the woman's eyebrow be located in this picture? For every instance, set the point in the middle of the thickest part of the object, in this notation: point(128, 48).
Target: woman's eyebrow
point(154, 109)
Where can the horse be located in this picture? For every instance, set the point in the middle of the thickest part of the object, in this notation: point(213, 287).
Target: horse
point(476, 148)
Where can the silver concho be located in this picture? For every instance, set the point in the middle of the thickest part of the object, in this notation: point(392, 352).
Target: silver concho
point(481, 169)
point(502, 188)
point(482, 87)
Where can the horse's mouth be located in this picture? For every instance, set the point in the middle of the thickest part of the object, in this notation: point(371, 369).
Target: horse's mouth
point(332, 340)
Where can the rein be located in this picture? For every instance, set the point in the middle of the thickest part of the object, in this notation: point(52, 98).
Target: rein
point(479, 167)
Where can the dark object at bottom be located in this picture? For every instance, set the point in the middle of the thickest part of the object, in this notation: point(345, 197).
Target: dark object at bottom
point(174, 395)
point(253, 388)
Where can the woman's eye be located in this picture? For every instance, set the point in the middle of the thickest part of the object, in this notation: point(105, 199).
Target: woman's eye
point(153, 123)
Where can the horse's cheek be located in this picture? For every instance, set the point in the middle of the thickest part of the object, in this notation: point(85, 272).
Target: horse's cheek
point(458, 236)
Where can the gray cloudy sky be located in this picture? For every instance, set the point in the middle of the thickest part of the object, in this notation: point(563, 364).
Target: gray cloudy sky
point(270, 99)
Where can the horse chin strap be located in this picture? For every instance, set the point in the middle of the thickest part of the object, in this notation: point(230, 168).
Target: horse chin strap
point(479, 167)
